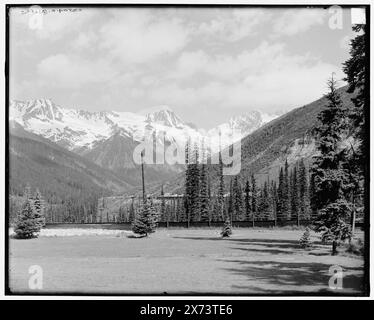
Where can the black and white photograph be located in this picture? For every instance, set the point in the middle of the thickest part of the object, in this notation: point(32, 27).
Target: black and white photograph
point(187, 150)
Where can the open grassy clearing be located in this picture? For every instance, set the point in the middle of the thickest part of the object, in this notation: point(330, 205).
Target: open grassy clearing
point(183, 261)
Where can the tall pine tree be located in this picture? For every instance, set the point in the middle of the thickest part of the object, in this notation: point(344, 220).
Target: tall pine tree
point(162, 207)
point(195, 184)
point(188, 183)
point(247, 201)
point(280, 199)
point(266, 201)
point(295, 203)
point(303, 190)
point(286, 192)
point(357, 166)
point(230, 207)
point(254, 198)
point(330, 178)
point(221, 189)
point(204, 196)
point(39, 206)
point(237, 199)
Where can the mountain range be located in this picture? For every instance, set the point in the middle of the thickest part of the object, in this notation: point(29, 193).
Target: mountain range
point(107, 139)
point(266, 149)
point(58, 173)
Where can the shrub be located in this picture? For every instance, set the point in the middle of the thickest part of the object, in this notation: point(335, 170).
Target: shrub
point(305, 242)
point(226, 230)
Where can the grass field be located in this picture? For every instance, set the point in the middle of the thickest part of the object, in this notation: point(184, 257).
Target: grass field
point(180, 261)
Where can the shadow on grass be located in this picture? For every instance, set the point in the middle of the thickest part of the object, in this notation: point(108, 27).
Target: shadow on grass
point(272, 246)
point(287, 277)
point(264, 245)
point(282, 277)
point(202, 238)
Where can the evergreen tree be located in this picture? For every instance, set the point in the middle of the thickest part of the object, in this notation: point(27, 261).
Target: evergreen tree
point(188, 183)
point(266, 201)
point(295, 203)
point(274, 200)
point(39, 207)
point(28, 221)
point(305, 242)
point(312, 197)
point(230, 210)
point(284, 204)
point(121, 214)
point(237, 199)
point(162, 207)
point(227, 229)
point(254, 198)
point(247, 201)
point(181, 213)
point(286, 192)
point(280, 202)
point(330, 178)
point(132, 211)
point(145, 221)
point(303, 191)
point(204, 196)
point(195, 185)
point(355, 70)
point(192, 204)
point(221, 190)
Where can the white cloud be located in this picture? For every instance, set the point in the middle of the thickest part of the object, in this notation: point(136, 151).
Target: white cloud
point(267, 77)
point(284, 88)
point(72, 72)
point(296, 21)
point(264, 57)
point(134, 58)
point(84, 40)
point(234, 25)
point(51, 25)
point(136, 36)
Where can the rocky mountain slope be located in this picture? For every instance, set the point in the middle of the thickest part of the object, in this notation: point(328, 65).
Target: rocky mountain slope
point(265, 150)
point(58, 173)
point(109, 138)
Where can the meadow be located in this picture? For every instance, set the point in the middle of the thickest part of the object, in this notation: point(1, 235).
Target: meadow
point(181, 262)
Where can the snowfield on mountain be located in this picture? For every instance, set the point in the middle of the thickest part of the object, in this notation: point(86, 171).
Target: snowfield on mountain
point(80, 130)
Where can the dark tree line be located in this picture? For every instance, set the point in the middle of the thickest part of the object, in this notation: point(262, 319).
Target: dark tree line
point(75, 208)
point(285, 199)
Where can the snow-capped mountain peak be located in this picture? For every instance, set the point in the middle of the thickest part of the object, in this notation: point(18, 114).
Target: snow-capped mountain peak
point(81, 130)
point(42, 109)
point(165, 117)
point(241, 125)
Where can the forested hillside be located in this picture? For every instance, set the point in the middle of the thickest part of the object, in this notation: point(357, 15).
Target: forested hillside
point(264, 151)
point(63, 177)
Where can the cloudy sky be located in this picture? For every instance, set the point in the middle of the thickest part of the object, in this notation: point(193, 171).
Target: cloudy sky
point(206, 63)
